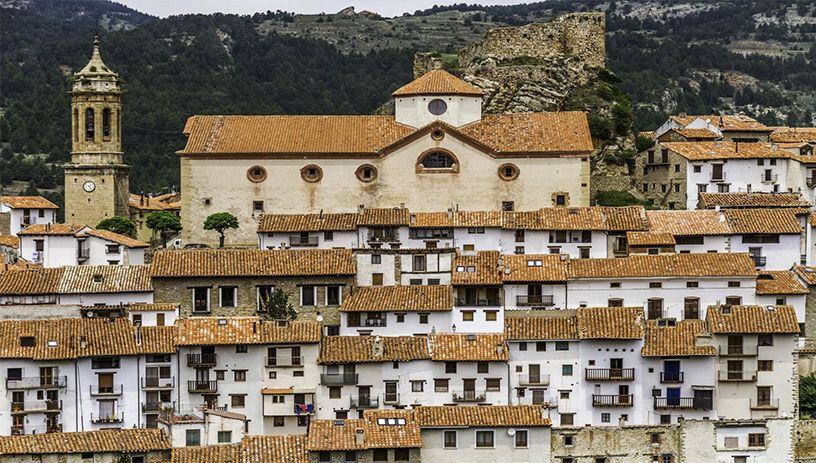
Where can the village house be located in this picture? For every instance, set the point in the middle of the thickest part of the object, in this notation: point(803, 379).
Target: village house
point(397, 310)
point(140, 206)
point(250, 449)
point(263, 370)
point(733, 128)
point(203, 427)
point(57, 245)
point(104, 446)
point(377, 267)
point(746, 200)
point(438, 141)
point(233, 282)
point(18, 212)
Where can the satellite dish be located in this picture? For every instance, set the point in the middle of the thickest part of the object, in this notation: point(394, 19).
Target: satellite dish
point(319, 318)
point(511, 432)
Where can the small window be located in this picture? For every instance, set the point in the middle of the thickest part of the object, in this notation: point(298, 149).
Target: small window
point(655, 284)
point(615, 284)
point(566, 370)
point(437, 160)
point(522, 346)
point(328, 235)
point(335, 392)
point(380, 454)
point(756, 440)
point(692, 284)
point(366, 173)
point(541, 346)
point(491, 315)
point(521, 438)
point(228, 296)
point(307, 295)
point(256, 174)
point(224, 437)
point(731, 442)
point(733, 284)
point(484, 439)
point(238, 400)
point(450, 439)
point(239, 376)
point(560, 200)
point(450, 367)
point(568, 439)
point(765, 340)
point(376, 279)
point(483, 367)
point(605, 417)
point(311, 173)
point(507, 206)
point(467, 315)
point(417, 386)
point(324, 457)
point(376, 258)
point(423, 319)
point(192, 438)
point(437, 107)
point(241, 348)
point(508, 172)
point(765, 365)
point(561, 345)
point(27, 341)
point(493, 384)
point(257, 206)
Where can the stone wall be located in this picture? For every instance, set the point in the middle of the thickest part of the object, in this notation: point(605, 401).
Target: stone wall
point(658, 175)
point(579, 35)
point(805, 440)
point(5, 223)
point(630, 444)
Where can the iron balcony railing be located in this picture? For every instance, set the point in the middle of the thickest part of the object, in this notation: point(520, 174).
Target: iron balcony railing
point(468, 396)
point(284, 361)
point(737, 375)
point(113, 390)
point(472, 302)
point(613, 400)
point(687, 403)
point(157, 407)
point(37, 382)
point(20, 429)
point(196, 360)
point(338, 379)
point(610, 374)
point(670, 377)
point(105, 363)
point(30, 406)
point(202, 386)
point(363, 401)
point(383, 236)
point(535, 299)
point(152, 382)
point(113, 417)
point(378, 322)
point(740, 350)
point(533, 380)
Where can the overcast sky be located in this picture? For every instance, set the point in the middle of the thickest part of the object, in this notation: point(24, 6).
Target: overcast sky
point(165, 8)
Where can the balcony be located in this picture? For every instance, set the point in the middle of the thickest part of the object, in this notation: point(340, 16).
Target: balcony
point(298, 240)
point(737, 376)
point(682, 403)
point(202, 386)
point(280, 362)
point(304, 409)
point(610, 374)
point(149, 408)
point(201, 360)
point(770, 179)
point(158, 383)
point(533, 380)
point(338, 379)
point(471, 302)
point(114, 390)
point(469, 396)
point(671, 377)
point(365, 402)
point(616, 400)
point(383, 236)
point(766, 404)
point(759, 261)
point(34, 406)
point(391, 398)
point(37, 382)
point(19, 430)
point(738, 351)
point(373, 322)
point(113, 417)
point(535, 299)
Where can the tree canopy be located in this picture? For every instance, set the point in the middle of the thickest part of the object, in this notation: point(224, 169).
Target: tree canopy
point(120, 225)
point(220, 222)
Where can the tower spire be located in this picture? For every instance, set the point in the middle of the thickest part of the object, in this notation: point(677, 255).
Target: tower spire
point(96, 67)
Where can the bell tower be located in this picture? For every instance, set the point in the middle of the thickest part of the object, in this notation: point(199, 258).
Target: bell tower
point(96, 178)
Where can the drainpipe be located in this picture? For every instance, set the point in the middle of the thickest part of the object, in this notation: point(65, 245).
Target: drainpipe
point(509, 389)
point(79, 418)
point(138, 391)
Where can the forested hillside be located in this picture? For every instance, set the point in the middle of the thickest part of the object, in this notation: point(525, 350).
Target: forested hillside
point(671, 56)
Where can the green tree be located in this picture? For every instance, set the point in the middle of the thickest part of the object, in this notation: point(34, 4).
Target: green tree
point(277, 305)
point(165, 224)
point(220, 222)
point(807, 394)
point(118, 224)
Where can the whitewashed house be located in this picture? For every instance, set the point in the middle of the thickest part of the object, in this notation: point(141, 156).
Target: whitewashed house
point(18, 212)
point(397, 310)
point(56, 245)
point(295, 231)
point(417, 266)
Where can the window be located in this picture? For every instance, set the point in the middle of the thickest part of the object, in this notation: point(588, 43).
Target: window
point(441, 385)
point(615, 284)
point(307, 295)
point(419, 263)
point(401, 454)
point(380, 454)
point(522, 346)
point(278, 421)
point(765, 340)
point(238, 400)
point(614, 302)
point(334, 392)
point(417, 386)
point(351, 457)
point(437, 107)
point(366, 173)
point(376, 258)
point(731, 442)
point(201, 299)
point(655, 284)
point(423, 319)
point(484, 439)
point(567, 419)
point(560, 200)
point(733, 284)
point(227, 294)
point(568, 439)
point(400, 318)
point(605, 417)
point(519, 236)
point(333, 295)
point(376, 279)
point(224, 437)
point(493, 384)
point(507, 206)
point(691, 308)
point(521, 438)
point(491, 315)
point(450, 439)
point(756, 439)
point(324, 457)
point(239, 376)
point(740, 459)
point(733, 300)
point(89, 124)
point(467, 315)
point(541, 346)
point(450, 367)
point(566, 369)
point(483, 367)
point(508, 172)
point(192, 438)
point(436, 160)
point(311, 173)
point(765, 365)
point(561, 345)
point(256, 174)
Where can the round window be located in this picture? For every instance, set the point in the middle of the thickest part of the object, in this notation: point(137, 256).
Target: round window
point(437, 107)
point(508, 172)
point(311, 173)
point(366, 173)
point(256, 174)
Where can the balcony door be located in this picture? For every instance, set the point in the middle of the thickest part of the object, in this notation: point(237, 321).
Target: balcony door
point(534, 373)
point(716, 172)
point(469, 388)
point(671, 370)
point(673, 396)
point(623, 394)
point(655, 308)
point(615, 368)
point(105, 383)
point(364, 395)
point(533, 294)
point(735, 344)
point(47, 376)
point(391, 391)
point(703, 399)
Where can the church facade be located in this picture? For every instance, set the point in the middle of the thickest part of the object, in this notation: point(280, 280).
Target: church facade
point(437, 152)
point(96, 178)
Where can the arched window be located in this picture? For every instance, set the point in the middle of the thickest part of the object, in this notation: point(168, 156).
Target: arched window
point(89, 124)
point(75, 124)
point(437, 160)
point(106, 123)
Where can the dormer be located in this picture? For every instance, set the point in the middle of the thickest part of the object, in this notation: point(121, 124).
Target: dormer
point(438, 96)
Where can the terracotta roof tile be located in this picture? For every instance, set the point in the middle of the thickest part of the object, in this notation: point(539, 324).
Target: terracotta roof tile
point(677, 340)
point(153, 307)
point(95, 279)
point(702, 151)
point(520, 268)
point(727, 122)
point(552, 326)
point(252, 262)
point(752, 319)
point(557, 218)
point(27, 202)
point(207, 331)
point(276, 223)
point(481, 347)
point(274, 449)
point(636, 238)
point(492, 416)
point(781, 221)
point(116, 238)
point(366, 433)
point(794, 135)
point(559, 132)
point(432, 220)
point(668, 265)
point(610, 322)
point(10, 241)
point(779, 282)
point(392, 216)
point(35, 280)
point(223, 453)
point(807, 274)
point(61, 229)
point(689, 223)
point(711, 200)
point(108, 440)
point(479, 269)
point(361, 349)
point(165, 202)
point(477, 219)
point(424, 298)
point(626, 218)
point(437, 82)
point(700, 134)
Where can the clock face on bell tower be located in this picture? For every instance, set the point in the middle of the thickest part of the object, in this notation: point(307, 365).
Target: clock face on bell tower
point(96, 179)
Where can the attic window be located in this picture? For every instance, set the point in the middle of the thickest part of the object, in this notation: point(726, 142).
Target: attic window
point(391, 421)
point(437, 134)
point(27, 341)
point(97, 278)
point(256, 174)
point(311, 173)
point(437, 107)
point(52, 343)
point(366, 173)
point(534, 263)
point(339, 422)
point(726, 309)
point(222, 321)
point(508, 172)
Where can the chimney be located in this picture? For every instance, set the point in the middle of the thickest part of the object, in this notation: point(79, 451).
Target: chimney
point(736, 147)
point(141, 199)
point(359, 436)
point(321, 214)
point(377, 349)
point(622, 421)
point(254, 327)
point(147, 200)
point(83, 342)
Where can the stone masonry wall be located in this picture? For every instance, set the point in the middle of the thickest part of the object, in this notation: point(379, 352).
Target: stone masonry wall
point(578, 34)
point(627, 444)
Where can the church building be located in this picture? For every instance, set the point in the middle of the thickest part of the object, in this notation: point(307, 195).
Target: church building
point(96, 178)
point(436, 153)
